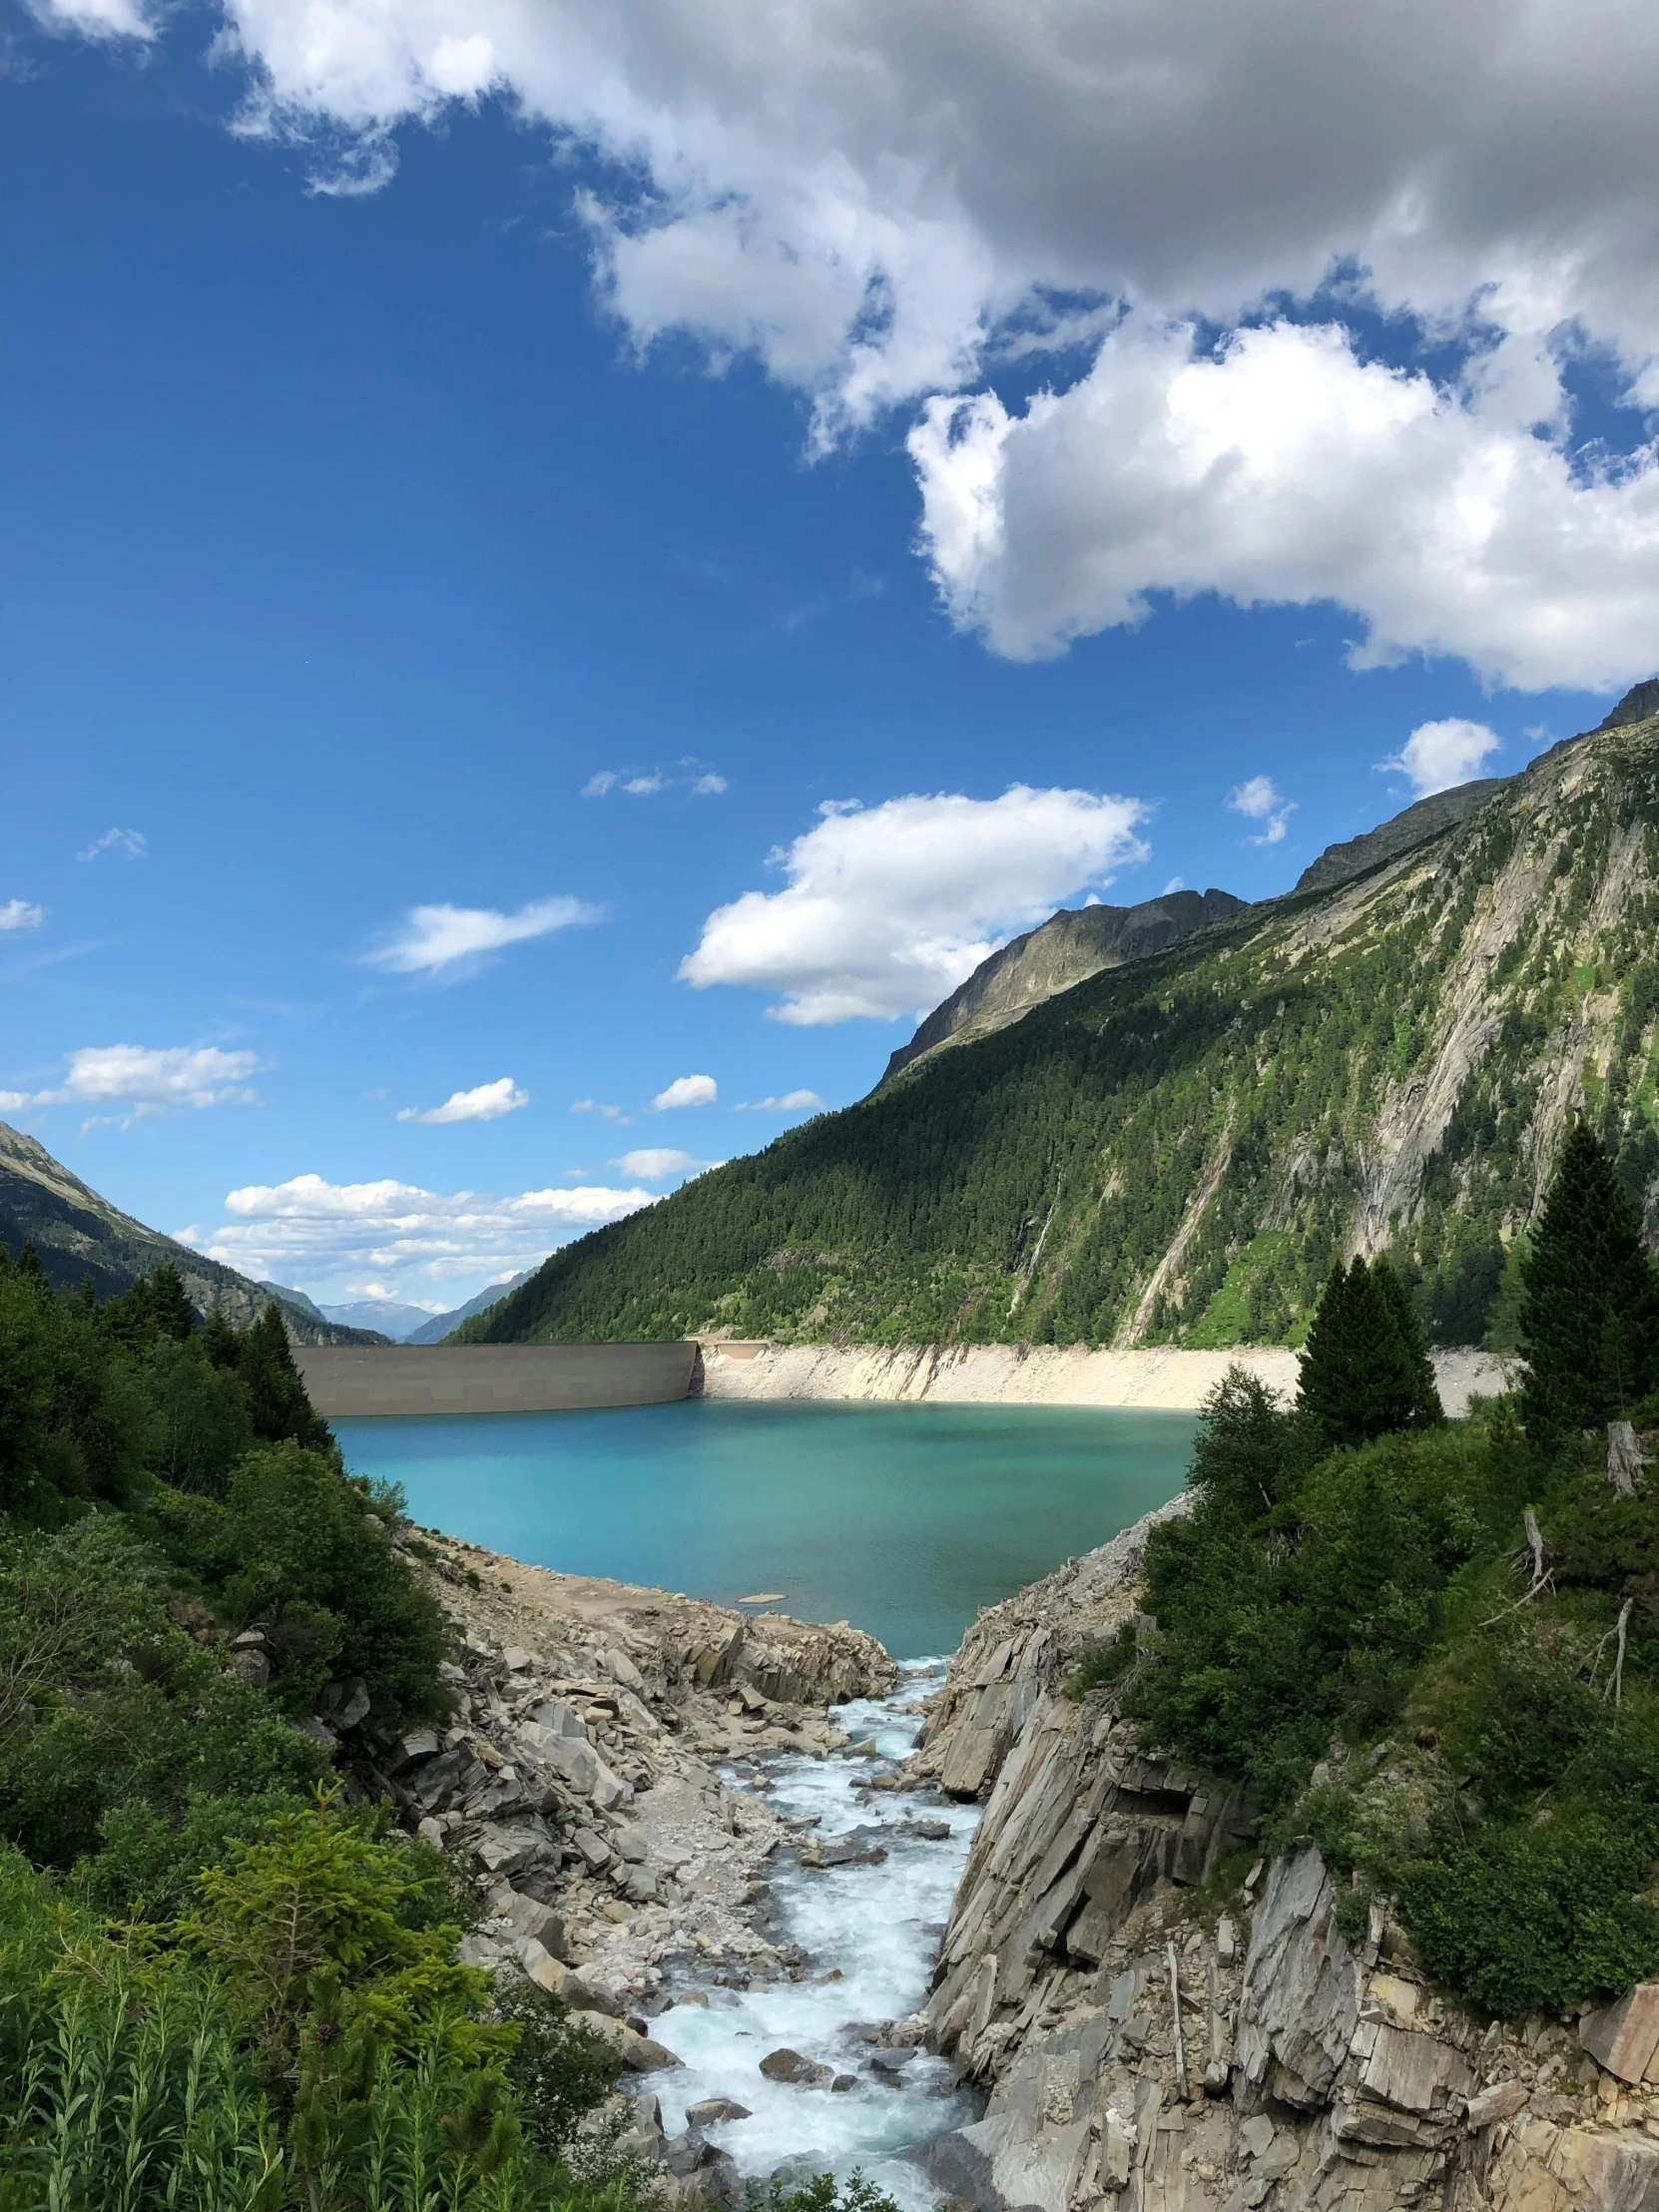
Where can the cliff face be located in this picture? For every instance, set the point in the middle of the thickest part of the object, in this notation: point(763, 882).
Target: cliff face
point(77, 1233)
point(1070, 946)
point(1142, 2054)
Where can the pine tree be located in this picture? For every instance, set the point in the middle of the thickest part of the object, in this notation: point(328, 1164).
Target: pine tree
point(276, 1398)
point(1590, 1299)
point(1366, 1371)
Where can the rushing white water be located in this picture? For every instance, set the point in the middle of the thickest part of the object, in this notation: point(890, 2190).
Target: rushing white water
point(876, 1929)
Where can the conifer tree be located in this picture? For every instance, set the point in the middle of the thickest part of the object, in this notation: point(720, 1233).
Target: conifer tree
point(276, 1399)
point(1366, 1371)
point(1590, 1299)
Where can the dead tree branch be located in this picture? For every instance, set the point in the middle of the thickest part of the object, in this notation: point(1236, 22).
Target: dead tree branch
point(1543, 1577)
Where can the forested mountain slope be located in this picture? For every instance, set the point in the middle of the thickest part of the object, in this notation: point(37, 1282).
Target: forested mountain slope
point(79, 1234)
point(1174, 1150)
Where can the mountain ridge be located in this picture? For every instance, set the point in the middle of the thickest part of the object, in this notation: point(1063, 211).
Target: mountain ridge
point(1175, 1150)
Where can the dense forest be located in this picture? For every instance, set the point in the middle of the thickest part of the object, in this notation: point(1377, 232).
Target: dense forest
point(1174, 1151)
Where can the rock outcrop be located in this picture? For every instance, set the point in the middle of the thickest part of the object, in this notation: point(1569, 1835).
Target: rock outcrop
point(1155, 2034)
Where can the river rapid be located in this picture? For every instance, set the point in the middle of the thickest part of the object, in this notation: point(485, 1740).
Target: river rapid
point(869, 1934)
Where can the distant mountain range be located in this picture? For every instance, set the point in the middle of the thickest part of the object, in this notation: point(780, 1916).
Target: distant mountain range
point(401, 1324)
point(1174, 1148)
point(78, 1234)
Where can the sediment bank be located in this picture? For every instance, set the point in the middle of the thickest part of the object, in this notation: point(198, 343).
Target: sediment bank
point(1157, 1376)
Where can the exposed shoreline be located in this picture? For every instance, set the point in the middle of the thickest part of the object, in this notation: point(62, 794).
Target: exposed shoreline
point(1155, 1377)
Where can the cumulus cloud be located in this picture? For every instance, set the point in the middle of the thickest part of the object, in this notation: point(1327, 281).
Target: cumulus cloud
point(398, 1234)
point(98, 19)
point(882, 203)
point(791, 1102)
point(1258, 801)
point(144, 1080)
point(131, 843)
point(686, 1090)
point(887, 908)
point(450, 942)
point(652, 1162)
point(487, 1103)
point(18, 914)
point(1440, 755)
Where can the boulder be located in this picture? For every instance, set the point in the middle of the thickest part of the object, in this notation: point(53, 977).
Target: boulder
point(505, 1850)
point(412, 1750)
point(1299, 2005)
point(533, 1919)
point(592, 1849)
point(1501, 2100)
point(789, 2066)
point(558, 1720)
point(344, 1704)
point(575, 1762)
point(541, 1966)
point(1623, 2037)
point(716, 2112)
point(253, 1664)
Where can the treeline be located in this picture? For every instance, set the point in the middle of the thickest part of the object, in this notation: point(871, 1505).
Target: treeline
point(1434, 1647)
point(228, 1981)
point(1025, 1187)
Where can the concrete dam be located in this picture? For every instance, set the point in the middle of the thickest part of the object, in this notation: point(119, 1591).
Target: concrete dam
point(344, 1380)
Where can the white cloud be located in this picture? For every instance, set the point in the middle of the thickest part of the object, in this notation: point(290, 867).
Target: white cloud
point(1439, 755)
point(397, 1234)
point(1285, 469)
point(450, 942)
point(605, 1113)
point(129, 841)
point(887, 908)
point(882, 204)
point(17, 914)
point(686, 1090)
point(706, 786)
point(1258, 801)
point(652, 1162)
point(487, 1103)
point(791, 1102)
point(599, 784)
point(146, 1080)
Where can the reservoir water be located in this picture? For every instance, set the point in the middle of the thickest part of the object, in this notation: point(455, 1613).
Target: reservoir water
point(903, 1519)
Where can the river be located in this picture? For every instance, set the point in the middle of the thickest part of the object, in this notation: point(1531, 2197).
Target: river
point(904, 1519)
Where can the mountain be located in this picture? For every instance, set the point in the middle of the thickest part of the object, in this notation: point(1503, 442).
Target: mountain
point(78, 1234)
point(1072, 944)
point(1176, 1149)
point(387, 1314)
point(434, 1330)
point(1079, 942)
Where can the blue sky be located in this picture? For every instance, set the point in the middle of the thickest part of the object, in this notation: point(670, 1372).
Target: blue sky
point(352, 535)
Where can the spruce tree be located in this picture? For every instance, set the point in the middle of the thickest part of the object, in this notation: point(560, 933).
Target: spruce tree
point(1590, 1299)
point(1366, 1371)
point(276, 1401)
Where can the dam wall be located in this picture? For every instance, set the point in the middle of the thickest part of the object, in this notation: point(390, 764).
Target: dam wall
point(1157, 1375)
point(351, 1379)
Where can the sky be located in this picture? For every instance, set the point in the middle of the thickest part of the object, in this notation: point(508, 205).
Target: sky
point(570, 568)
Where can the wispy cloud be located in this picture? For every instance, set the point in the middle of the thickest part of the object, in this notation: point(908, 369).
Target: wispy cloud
point(144, 1080)
point(688, 774)
point(132, 842)
point(791, 1102)
point(686, 1090)
point(450, 941)
point(489, 1102)
point(17, 914)
point(1258, 801)
point(605, 1112)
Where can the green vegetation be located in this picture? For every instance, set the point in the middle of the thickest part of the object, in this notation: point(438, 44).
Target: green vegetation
point(1400, 1045)
point(1366, 1638)
point(1367, 1372)
point(222, 1988)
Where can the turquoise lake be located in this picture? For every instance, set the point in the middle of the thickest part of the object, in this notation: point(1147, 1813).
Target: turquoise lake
point(903, 1519)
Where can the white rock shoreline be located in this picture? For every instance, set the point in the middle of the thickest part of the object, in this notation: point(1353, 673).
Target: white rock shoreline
point(1155, 1377)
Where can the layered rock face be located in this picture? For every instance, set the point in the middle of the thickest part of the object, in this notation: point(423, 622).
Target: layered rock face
point(1141, 2051)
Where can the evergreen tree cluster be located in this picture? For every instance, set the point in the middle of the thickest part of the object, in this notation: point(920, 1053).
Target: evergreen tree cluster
point(1346, 1622)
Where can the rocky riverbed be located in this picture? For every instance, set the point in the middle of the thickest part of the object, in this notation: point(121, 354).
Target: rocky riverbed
point(733, 1845)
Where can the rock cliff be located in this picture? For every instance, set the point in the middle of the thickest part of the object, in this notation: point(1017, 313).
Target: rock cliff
point(1158, 2030)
